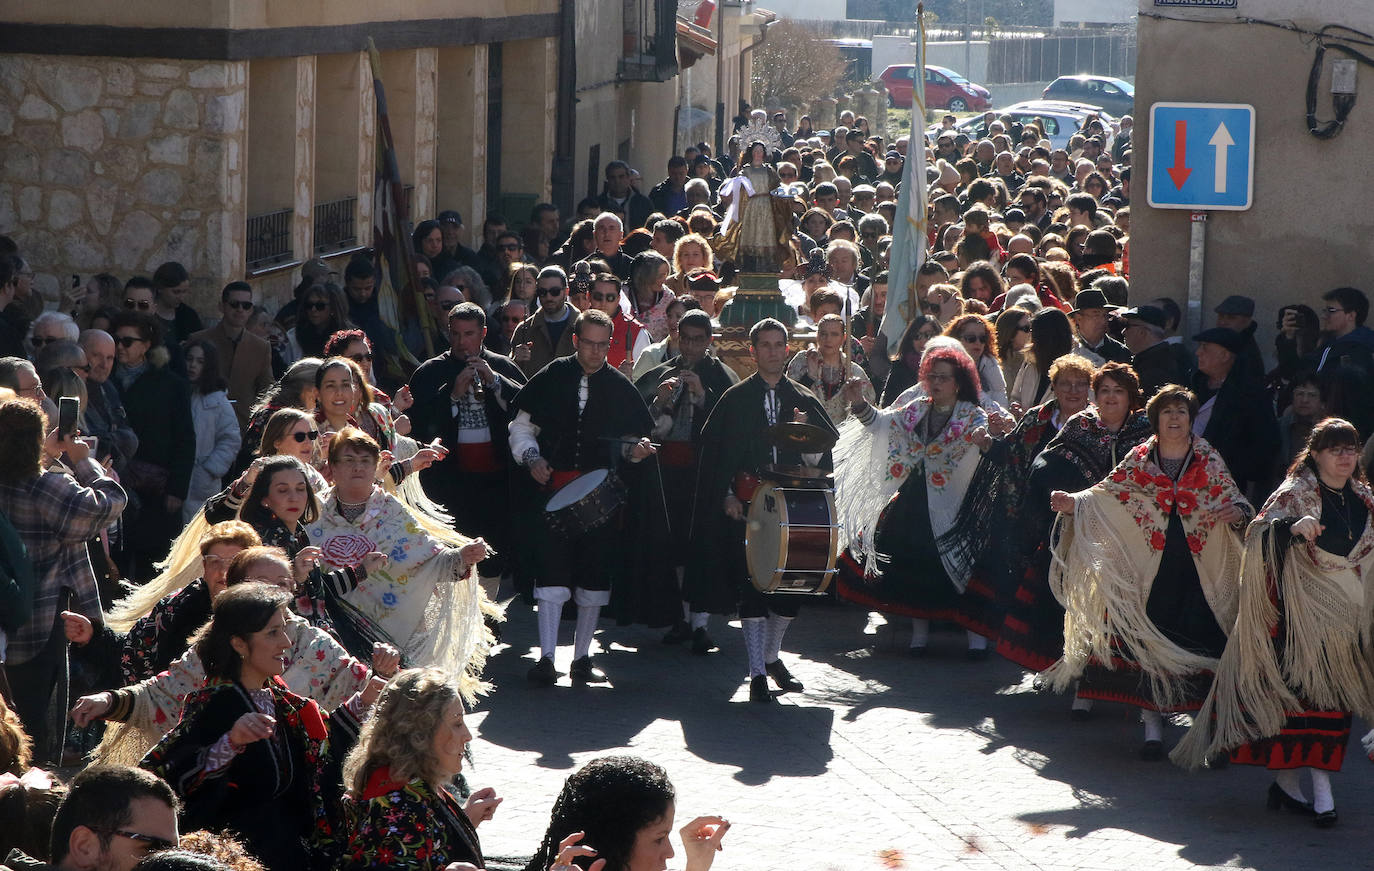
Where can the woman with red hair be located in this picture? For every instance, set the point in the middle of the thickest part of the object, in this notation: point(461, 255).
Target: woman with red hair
point(902, 481)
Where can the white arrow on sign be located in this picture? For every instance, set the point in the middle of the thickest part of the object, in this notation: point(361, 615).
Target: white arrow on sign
point(1221, 140)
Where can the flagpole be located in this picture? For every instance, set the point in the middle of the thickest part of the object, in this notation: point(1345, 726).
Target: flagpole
point(909, 236)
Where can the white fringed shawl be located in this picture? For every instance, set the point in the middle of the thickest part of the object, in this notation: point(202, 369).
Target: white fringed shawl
point(1328, 605)
point(1108, 552)
point(872, 462)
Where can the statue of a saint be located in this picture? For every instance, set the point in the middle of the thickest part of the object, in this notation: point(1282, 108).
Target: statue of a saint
point(757, 231)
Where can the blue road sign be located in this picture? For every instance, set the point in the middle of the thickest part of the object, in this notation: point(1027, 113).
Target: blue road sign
point(1202, 156)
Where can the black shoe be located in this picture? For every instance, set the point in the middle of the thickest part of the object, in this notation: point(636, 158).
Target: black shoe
point(584, 671)
point(782, 677)
point(977, 654)
point(543, 673)
point(679, 633)
point(758, 690)
point(1279, 798)
point(1218, 761)
point(702, 643)
point(1152, 751)
point(917, 651)
point(1325, 819)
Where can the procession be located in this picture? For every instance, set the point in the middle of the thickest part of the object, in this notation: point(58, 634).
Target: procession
point(266, 564)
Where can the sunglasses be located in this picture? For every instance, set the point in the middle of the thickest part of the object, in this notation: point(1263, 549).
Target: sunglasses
point(981, 338)
point(155, 844)
point(127, 341)
point(84, 370)
point(41, 341)
point(548, 291)
point(317, 306)
point(241, 305)
point(605, 297)
point(302, 437)
point(142, 305)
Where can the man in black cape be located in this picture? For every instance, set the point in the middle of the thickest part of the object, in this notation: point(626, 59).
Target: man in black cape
point(463, 396)
point(733, 441)
point(577, 415)
point(681, 392)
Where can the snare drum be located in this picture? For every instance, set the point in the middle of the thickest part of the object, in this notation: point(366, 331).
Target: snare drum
point(585, 503)
point(791, 539)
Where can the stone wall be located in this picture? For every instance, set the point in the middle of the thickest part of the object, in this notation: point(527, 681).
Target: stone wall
point(119, 165)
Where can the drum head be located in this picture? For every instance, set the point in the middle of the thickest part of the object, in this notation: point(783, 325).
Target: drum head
point(575, 489)
point(763, 536)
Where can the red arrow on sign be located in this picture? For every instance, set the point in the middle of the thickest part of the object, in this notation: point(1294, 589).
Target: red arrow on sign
point(1179, 172)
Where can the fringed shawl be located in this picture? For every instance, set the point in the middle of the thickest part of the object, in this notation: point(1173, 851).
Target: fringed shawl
point(1328, 642)
point(872, 462)
point(423, 597)
point(1087, 445)
point(1108, 553)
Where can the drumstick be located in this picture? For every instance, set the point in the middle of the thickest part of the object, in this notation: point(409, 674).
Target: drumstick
point(621, 441)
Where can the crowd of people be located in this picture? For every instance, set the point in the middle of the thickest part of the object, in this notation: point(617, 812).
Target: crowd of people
point(252, 569)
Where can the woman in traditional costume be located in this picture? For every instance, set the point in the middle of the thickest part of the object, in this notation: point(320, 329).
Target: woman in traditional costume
point(1301, 657)
point(249, 754)
point(902, 475)
point(425, 599)
point(825, 369)
point(1147, 566)
point(1082, 449)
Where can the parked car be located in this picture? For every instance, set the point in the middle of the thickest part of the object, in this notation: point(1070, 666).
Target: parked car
point(1059, 119)
point(1112, 95)
point(945, 89)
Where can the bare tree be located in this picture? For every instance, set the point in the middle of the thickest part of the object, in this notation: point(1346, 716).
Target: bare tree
point(794, 66)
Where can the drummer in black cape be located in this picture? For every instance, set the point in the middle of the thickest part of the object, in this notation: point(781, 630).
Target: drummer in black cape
point(577, 415)
point(681, 393)
point(463, 397)
point(735, 452)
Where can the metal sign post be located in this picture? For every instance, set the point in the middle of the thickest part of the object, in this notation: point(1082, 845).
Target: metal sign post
point(1197, 251)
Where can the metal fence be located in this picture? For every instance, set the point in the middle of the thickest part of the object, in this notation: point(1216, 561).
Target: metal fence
point(1046, 59)
point(335, 225)
point(269, 239)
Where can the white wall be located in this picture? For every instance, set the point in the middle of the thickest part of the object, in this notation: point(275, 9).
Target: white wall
point(810, 10)
point(1097, 11)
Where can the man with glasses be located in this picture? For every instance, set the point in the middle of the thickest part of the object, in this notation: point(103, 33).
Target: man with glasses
point(1153, 358)
point(545, 335)
point(111, 818)
point(51, 327)
point(509, 315)
point(577, 415)
point(244, 359)
point(19, 375)
point(681, 393)
point(105, 417)
point(463, 397)
point(629, 338)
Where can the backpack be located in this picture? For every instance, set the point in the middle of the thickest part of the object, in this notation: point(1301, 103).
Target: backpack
point(16, 578)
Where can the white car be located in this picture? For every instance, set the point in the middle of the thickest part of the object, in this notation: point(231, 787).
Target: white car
point(1060, 119)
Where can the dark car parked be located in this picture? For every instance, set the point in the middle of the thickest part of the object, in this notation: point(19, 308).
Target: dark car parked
point(1113, 95)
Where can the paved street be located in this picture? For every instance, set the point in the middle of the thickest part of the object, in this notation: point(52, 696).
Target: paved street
point(885, 762)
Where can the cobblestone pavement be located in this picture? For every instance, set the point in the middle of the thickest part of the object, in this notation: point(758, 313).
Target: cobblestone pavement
point(885, 761)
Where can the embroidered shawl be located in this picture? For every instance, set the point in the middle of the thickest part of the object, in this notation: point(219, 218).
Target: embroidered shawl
point(1086, 443)
point(1108, 552)
point(1328, 642)
point(872, 462)
point(424, 597)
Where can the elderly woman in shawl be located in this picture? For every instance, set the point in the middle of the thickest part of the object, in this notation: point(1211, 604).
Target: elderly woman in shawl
point(902, 475)
point(1082, 448)
point(1301, 657)
point(425, 599)
point(1147, 566)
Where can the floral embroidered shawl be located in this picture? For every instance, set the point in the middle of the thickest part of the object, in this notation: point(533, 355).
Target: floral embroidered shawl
point(1328, 626)
point(872, 462)
point(1108, 552)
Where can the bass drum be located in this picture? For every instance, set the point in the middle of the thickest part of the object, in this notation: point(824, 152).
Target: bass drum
point(791, 539)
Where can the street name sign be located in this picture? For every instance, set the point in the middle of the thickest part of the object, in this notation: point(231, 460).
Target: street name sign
point(1202, 156)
